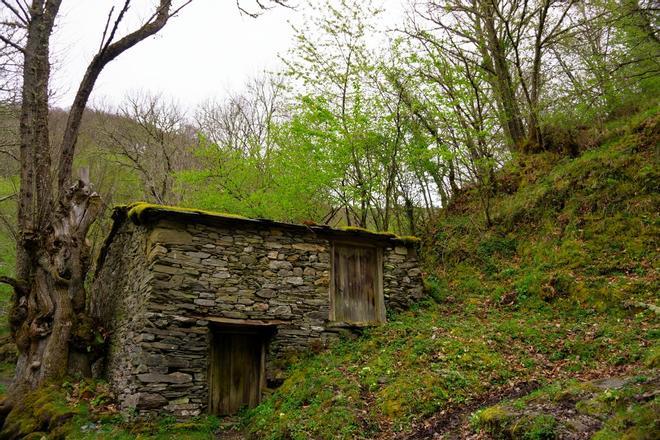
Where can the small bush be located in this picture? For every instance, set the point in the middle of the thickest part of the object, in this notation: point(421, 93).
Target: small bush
point(557, 285)
point(492, 420)
point(435, 288)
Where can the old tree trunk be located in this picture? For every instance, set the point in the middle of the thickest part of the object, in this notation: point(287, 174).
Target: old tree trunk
point(52, 255)
point(48, 318)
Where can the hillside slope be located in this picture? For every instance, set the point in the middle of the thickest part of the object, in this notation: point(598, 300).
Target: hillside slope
point(564, 285)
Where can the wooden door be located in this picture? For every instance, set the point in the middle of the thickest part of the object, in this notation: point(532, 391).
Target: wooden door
point(356, 290)
point(235, 371)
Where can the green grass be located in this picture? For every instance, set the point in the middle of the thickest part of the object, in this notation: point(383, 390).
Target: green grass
point(551, 290)
point(434, 358)
point(499, 423)
point(163, 428)
point(558, 288)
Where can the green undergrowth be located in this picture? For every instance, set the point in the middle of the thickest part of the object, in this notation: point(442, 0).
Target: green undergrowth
point(434, 358)
point(564, 284)
point(161, 428)
point(602, 410)
point(43, 411)
point(86, 410)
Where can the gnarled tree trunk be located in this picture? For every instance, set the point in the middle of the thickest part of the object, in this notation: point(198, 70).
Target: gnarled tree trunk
point(48, 320)
point(52, 303)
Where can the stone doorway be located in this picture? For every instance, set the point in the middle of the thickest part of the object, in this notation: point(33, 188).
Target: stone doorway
point(237, 358)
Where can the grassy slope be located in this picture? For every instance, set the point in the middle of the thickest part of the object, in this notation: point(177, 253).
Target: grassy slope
point(555, 289)
point(7, 262)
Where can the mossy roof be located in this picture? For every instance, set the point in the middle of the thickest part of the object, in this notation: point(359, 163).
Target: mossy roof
point(146, 213)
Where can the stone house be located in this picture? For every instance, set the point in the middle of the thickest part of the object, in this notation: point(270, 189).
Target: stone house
point(206, 310)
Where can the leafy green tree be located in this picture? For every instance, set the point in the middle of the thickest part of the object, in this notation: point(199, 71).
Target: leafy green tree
point(333, 60)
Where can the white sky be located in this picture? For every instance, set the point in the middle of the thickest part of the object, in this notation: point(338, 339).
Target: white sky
point(208, 49)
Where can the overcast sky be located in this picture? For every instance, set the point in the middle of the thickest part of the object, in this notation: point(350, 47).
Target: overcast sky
point(208, 49)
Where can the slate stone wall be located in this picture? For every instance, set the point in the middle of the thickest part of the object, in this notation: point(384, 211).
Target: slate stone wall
point(120, 296)
point(402, 278)
point(196, 273)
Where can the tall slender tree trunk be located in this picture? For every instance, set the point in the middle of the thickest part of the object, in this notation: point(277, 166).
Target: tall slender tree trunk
point(495, 57)
point(536, 141)
point(34, 308)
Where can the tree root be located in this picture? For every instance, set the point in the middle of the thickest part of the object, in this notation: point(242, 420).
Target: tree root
point(19, 286)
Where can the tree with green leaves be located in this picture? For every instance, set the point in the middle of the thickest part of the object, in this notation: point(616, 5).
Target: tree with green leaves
point(337, 68)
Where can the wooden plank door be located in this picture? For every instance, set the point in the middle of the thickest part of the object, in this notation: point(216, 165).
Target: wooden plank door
point(357, 285)
point(235, 371)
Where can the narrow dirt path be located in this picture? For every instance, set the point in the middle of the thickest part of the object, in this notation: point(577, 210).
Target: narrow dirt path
point(454, 423)
point(447, 424)
point(230, 430)
point(232, 434)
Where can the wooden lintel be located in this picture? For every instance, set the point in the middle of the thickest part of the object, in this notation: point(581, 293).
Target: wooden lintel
point(243, 322)
point(357, 324)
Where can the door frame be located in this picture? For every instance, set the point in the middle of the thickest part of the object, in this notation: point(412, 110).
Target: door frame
point(381, 316)
point(263, 331)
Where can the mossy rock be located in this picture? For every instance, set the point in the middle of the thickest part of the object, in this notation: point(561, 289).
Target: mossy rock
point(493, 420)
point(44, 409)
point(502, 423)
point(593, 407)
point(634, 422)
point(574, 392)
point(652, 359)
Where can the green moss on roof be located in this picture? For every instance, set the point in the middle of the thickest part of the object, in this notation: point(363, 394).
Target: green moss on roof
point(367, 231)
point(407, 239)
point(135, 211)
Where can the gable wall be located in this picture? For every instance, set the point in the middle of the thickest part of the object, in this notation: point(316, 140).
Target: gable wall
point(120, 295)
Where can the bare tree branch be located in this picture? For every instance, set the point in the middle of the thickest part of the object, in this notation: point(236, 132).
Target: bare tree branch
point(120, 17)
point(23, 18)
point(103, 57)
point(105, 28)
point(8, 42)
point(261, 7)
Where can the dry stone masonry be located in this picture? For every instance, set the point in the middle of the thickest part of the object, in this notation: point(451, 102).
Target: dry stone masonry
point(168, 278)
